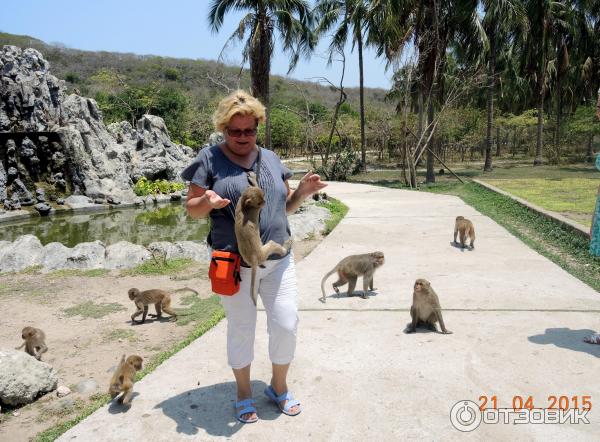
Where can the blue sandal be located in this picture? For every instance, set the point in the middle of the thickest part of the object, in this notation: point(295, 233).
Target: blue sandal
point(291, 402)
point(249, 407)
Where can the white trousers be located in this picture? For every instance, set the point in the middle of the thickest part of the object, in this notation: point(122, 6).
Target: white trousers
point(278, 291)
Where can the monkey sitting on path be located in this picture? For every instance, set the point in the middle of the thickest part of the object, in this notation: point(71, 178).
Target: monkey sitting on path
point(350, 268)
point(160, 298)
point(124, 377)
point(466, 229)
point(247, 232)
point(34, 342)
point(425, 309)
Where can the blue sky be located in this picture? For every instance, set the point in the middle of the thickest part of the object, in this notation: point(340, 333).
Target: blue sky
point(176, 28)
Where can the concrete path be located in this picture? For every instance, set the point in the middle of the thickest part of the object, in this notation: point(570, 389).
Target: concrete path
point(518, 321)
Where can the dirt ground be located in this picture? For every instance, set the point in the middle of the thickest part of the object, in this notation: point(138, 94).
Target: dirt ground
point(83, 347)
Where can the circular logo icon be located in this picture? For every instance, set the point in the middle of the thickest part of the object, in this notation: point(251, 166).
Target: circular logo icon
point(465, 416)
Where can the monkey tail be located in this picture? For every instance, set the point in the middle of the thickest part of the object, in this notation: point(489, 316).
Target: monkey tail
point(21, 346)
point(184, 289)
point(252, 282)
point(327, 275)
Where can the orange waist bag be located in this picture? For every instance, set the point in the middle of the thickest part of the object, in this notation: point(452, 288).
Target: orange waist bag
point(224, 272)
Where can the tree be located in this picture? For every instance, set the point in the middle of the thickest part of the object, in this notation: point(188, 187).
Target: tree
point(291, 18)
point(543, 15)
point(500, 19)
point(351, 17)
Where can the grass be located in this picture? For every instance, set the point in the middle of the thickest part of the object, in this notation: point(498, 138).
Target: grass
point(338, 211)
point(567, 189)
point(198, 309)
point(573, 195)
point(557, 243)
point(88, 309)
point(120, 333)
point(91, 273)
point(165, 267)
point(57, 412)
point(32, 270)
point(505, 169)
point(214, 313)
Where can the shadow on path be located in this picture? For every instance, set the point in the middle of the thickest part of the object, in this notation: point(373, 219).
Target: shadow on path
point(116, 407)
point(568, 339)
point(211, 408)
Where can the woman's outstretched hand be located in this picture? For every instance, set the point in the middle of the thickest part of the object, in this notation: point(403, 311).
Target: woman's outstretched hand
point(310, 183)
point(215, 201)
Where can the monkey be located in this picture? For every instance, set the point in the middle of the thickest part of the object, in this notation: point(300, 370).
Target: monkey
point(250, 246)
point(124, 377)
point(34, 342)
point(466, 229)
point(160, 298)
point(350, 268)
point(426, 308)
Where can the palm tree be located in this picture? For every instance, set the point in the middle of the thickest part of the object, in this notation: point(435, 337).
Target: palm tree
point(291, 18)
point(543, 15)
point(501, 17)
point(351, 18)
point(431, 26)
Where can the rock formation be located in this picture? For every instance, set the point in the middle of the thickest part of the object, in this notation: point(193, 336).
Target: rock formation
point(23, 378)
point(60, 143)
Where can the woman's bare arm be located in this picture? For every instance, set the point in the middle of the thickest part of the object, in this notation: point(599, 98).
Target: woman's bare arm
point(201, 201)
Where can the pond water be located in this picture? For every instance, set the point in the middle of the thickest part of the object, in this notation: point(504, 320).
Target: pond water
point(136, 225)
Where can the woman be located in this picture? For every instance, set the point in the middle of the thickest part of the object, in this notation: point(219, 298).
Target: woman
point(595, 229)
point(217, 178)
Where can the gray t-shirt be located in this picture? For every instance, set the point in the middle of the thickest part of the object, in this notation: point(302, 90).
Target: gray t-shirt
point(213, 170)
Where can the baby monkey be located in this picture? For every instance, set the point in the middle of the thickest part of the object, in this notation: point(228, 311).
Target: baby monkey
point(425, 309)
point(247, 231)
point(350, 268)
point(466, 229)
point(124, 377)
point(160, 298)
point(34, 342)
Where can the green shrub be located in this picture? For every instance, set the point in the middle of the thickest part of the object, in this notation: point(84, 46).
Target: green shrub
point(145, 187)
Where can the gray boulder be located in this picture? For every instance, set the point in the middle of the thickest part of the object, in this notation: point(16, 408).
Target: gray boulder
point(21, 194)
point(155, 155)
point(180, 249)
point(43, 208)
point(192, 250)
point(25, 251)
point(3, 180)
point(78, 201)
point(307, 221)
point(124, 255)
point(23, 378)
point(216, 138)
point(84, 256)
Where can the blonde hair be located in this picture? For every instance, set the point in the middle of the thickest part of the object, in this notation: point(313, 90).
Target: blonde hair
point(237, 103)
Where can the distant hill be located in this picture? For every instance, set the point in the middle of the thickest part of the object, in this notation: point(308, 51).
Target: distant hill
point(85, 72)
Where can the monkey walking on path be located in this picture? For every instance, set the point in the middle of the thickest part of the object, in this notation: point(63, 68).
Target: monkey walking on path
point(124, 377)
point(466, 229)
point(350, 268)
point(425, 309)
point(247, 232)
point(160, 298)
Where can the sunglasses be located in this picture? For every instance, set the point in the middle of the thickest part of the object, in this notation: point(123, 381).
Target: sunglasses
point(236, 133)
